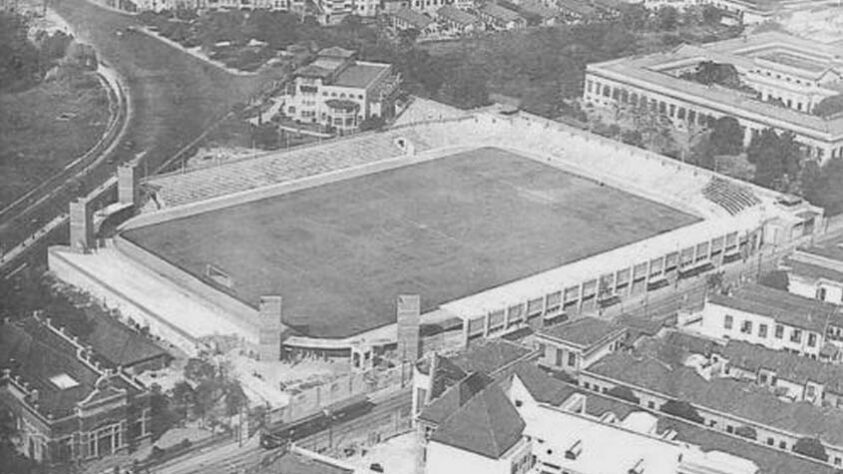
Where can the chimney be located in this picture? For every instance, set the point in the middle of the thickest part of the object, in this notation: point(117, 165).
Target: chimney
point(409, 315)
point(270, 328)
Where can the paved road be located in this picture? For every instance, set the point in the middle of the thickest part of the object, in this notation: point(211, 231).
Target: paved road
point(174, 95)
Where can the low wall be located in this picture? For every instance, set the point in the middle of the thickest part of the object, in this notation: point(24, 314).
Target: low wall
point(237, 312)
point(72, 274)
point(445, 341)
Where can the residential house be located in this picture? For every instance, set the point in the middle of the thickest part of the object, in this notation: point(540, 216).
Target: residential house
point(455, 21)
point(817, 271)
point(773, 318)
point(575, 345)
point(497, 17)
point(404, 19)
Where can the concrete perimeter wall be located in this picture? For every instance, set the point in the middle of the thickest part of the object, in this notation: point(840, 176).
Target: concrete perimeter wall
point(237, 312)
point(113, 298)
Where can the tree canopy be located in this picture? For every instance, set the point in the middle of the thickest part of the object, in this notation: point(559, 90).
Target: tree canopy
point(829, 106)
point(776, 158)
point(726, 136)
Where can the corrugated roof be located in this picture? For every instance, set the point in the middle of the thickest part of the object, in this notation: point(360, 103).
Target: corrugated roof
point(487, 424)
point(121, 345)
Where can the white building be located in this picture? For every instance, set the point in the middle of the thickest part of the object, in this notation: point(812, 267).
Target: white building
point(575, 345)
point(772, 318)
point(339, 91)
point(817, 272)
point(793, 72)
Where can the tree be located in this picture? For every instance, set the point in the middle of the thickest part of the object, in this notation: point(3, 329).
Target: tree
point(372, 123)
point(624, 393)
point(668, 17)
point(198, 370)
point(714, 281)
point(821, 185)
point(235, 399)
point(703, 153)
point(777, 279)
point(711, 15)
point(829, 106)
point(727, 136)
point(632, 137)
point(11, 461)
point(776, 159)
point(633, 16)
point(710, 72)
point(19, 58)
point(811, 447)
point(183, 398)
point(466, 88)
point(682, 409)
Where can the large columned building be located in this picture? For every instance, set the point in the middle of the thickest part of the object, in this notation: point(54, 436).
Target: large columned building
point(782, 79)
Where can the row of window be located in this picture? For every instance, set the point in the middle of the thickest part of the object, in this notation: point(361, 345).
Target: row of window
point(746, 328)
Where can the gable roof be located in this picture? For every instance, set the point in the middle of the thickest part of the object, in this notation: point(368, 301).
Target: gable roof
point(414, 18)
point(791, 367)
point(450, 12)
point(487, 425)
point(455, 397)
point(336, 52)
point(542, 387)
point(500, 13)
point(491, 356)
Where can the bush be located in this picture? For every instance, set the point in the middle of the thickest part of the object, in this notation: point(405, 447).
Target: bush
point(624, 393)
point(682, 409)
point(811, 447)
point(746, 432)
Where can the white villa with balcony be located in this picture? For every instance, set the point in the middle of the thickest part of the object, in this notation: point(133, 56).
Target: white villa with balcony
point(337, 91)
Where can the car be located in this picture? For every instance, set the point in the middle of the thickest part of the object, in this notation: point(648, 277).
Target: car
point(376, 467)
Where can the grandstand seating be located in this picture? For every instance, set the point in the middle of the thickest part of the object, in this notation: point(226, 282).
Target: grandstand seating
point(730, 196)
point(640, 172)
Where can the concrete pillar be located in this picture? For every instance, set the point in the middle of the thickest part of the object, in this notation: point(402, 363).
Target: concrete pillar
point(409, 319)
point(269, 338)
point(128, 188)
point(81, 226)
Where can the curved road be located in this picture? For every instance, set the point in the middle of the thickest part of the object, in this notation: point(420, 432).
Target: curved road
point(174, 95)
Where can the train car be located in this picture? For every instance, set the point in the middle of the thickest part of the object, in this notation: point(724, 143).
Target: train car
point(294, 431)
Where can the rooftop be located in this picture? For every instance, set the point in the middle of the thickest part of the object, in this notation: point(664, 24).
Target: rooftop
point(361, 75)
point(585, 332)
point(791, 367)
point(49, 364)
point(487, 424)
point(543, 387)
point(812, 271)
point(336, 52)
point(444, 229)
point(723, 395)
point(120, 345)
point(504, 14)
point(787, 308)
point(300, 463)
point(455, 397)
point(641, 69)
point(418, 20)
point(832, 249)
point(490, 356)
point(453, 13)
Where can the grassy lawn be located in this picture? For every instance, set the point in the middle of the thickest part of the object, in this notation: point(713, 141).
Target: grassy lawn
point(339, 254)
point(44, 128)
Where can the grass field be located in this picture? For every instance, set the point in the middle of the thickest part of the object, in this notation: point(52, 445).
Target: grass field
point(37, 140)
point(339, 254)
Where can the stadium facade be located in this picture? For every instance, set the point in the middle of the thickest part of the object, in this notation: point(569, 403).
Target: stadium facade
point(496, 221)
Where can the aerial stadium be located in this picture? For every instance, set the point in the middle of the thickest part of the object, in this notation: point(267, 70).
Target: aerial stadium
point(495, 221)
